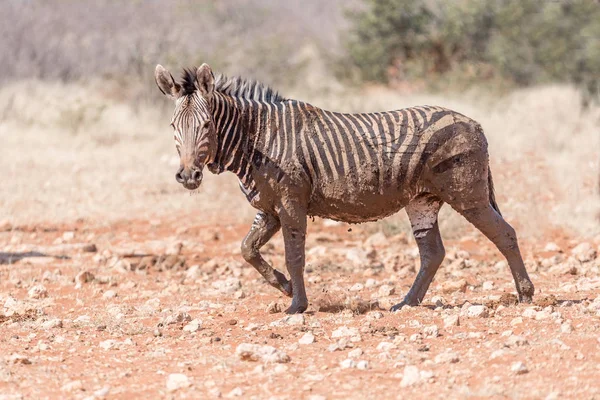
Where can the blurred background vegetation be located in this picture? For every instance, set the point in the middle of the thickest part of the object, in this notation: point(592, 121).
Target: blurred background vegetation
point(521, 42)
point(437, 44)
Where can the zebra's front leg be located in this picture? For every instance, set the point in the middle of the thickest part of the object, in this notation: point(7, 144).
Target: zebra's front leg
point(262, 230)
point(294, 236)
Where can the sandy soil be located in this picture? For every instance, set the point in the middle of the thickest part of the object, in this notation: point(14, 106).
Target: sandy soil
point(167, 309)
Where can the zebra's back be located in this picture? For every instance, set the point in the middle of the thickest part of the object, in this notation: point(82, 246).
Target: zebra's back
point(363, 167)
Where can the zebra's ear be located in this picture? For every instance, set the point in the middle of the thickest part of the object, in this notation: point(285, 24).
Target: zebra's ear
point(205, 80)
point(166, 83)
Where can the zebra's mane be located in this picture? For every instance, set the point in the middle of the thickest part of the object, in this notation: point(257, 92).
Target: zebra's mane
point(235, 86)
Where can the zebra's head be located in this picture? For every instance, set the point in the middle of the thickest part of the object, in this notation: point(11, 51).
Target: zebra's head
point(193, 123)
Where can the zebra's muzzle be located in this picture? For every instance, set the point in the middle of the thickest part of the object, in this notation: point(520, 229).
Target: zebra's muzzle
point(190, 178)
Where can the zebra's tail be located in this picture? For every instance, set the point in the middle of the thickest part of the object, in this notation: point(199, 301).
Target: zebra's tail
point(491, 190)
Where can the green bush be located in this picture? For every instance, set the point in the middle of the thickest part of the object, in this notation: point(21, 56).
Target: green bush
point(523, 41)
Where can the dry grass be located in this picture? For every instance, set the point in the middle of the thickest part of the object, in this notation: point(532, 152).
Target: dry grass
point(76, 151)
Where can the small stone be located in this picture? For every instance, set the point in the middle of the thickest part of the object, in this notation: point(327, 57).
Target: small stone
point(193, 326)
point(487, 285)
point(69, 235)
point(194, 272)
point(374, 315)
point(370, 283)
point(363, 365)
point(37, 292)
point(177, 318)
point(446, 358)
point(357, 287)
point(177, 381)
point(294, 319)
point(227, 286)
point(235, 392)
point(411, 376)
point(566, 327)
point(307, 338)
point(355, 353)
point(516, 341)
point(273, 308)
point(108, 344)
point(83, 277)
point(19, 359)
point(478, 311)
point(545, 300)
point(109, 294)
point(551, 246)
point(89, 248)
point(255, 352)
point(72, 386)
point(103, 392)
point(451, 320)
point(438, 301)
point(584, 252)
point(344, 331)
point(431, 331)
point(386, 346)
point(529, 312)
point(454, 286)
point(386, 290)
point(348, 363)
point(52, 323)
point(519, 368)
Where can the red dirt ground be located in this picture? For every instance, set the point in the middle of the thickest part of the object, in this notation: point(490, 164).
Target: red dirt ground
point(117, 322)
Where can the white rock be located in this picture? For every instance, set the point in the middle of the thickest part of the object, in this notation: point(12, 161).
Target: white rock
point(37, 292)
point(373, 315)
point(72, 386)
point(478, 311)
point(177, 381)
point(386, 346)
point(357, 287)
point(446, 358)
point(68, 236)
point(519, 368)
point(294, 319)
point(411, 376)
point(177, 318)
point(344, 331)
point(227, 286)
point(235, 392)
point(193, 273)
point(82, 320)
point(488, 285)
point(438, 301)
point(108, 344)
point(431, 331)
point(362, 365)
point(52, 323)
point(370, 283)
point(566, 327)
point(451, 320)
point(255, 352)
point(386, 290)
point(584, 252)
point(109, 294)
point(551, 246)
point(347, 363)
point(529, 312)
point(516, 341)
point(307, 338)
point(355, 353)
point(193, 326)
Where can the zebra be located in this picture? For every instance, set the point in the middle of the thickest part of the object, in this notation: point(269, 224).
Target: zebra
point(294, 161)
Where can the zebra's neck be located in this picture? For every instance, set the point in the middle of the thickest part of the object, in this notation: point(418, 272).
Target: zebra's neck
point(238, 123)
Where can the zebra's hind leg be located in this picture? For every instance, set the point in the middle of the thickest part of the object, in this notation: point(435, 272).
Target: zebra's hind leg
point(423, 212)
point(262, 230)
point(495, 228)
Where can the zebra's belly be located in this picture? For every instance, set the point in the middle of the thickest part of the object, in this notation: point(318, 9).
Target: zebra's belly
point(354, 205)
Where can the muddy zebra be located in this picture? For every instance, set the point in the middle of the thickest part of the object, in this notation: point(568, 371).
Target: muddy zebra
point(294, 160)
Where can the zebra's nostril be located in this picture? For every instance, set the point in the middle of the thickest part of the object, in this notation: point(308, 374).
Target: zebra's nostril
point(179, 175)
point(196, 175)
